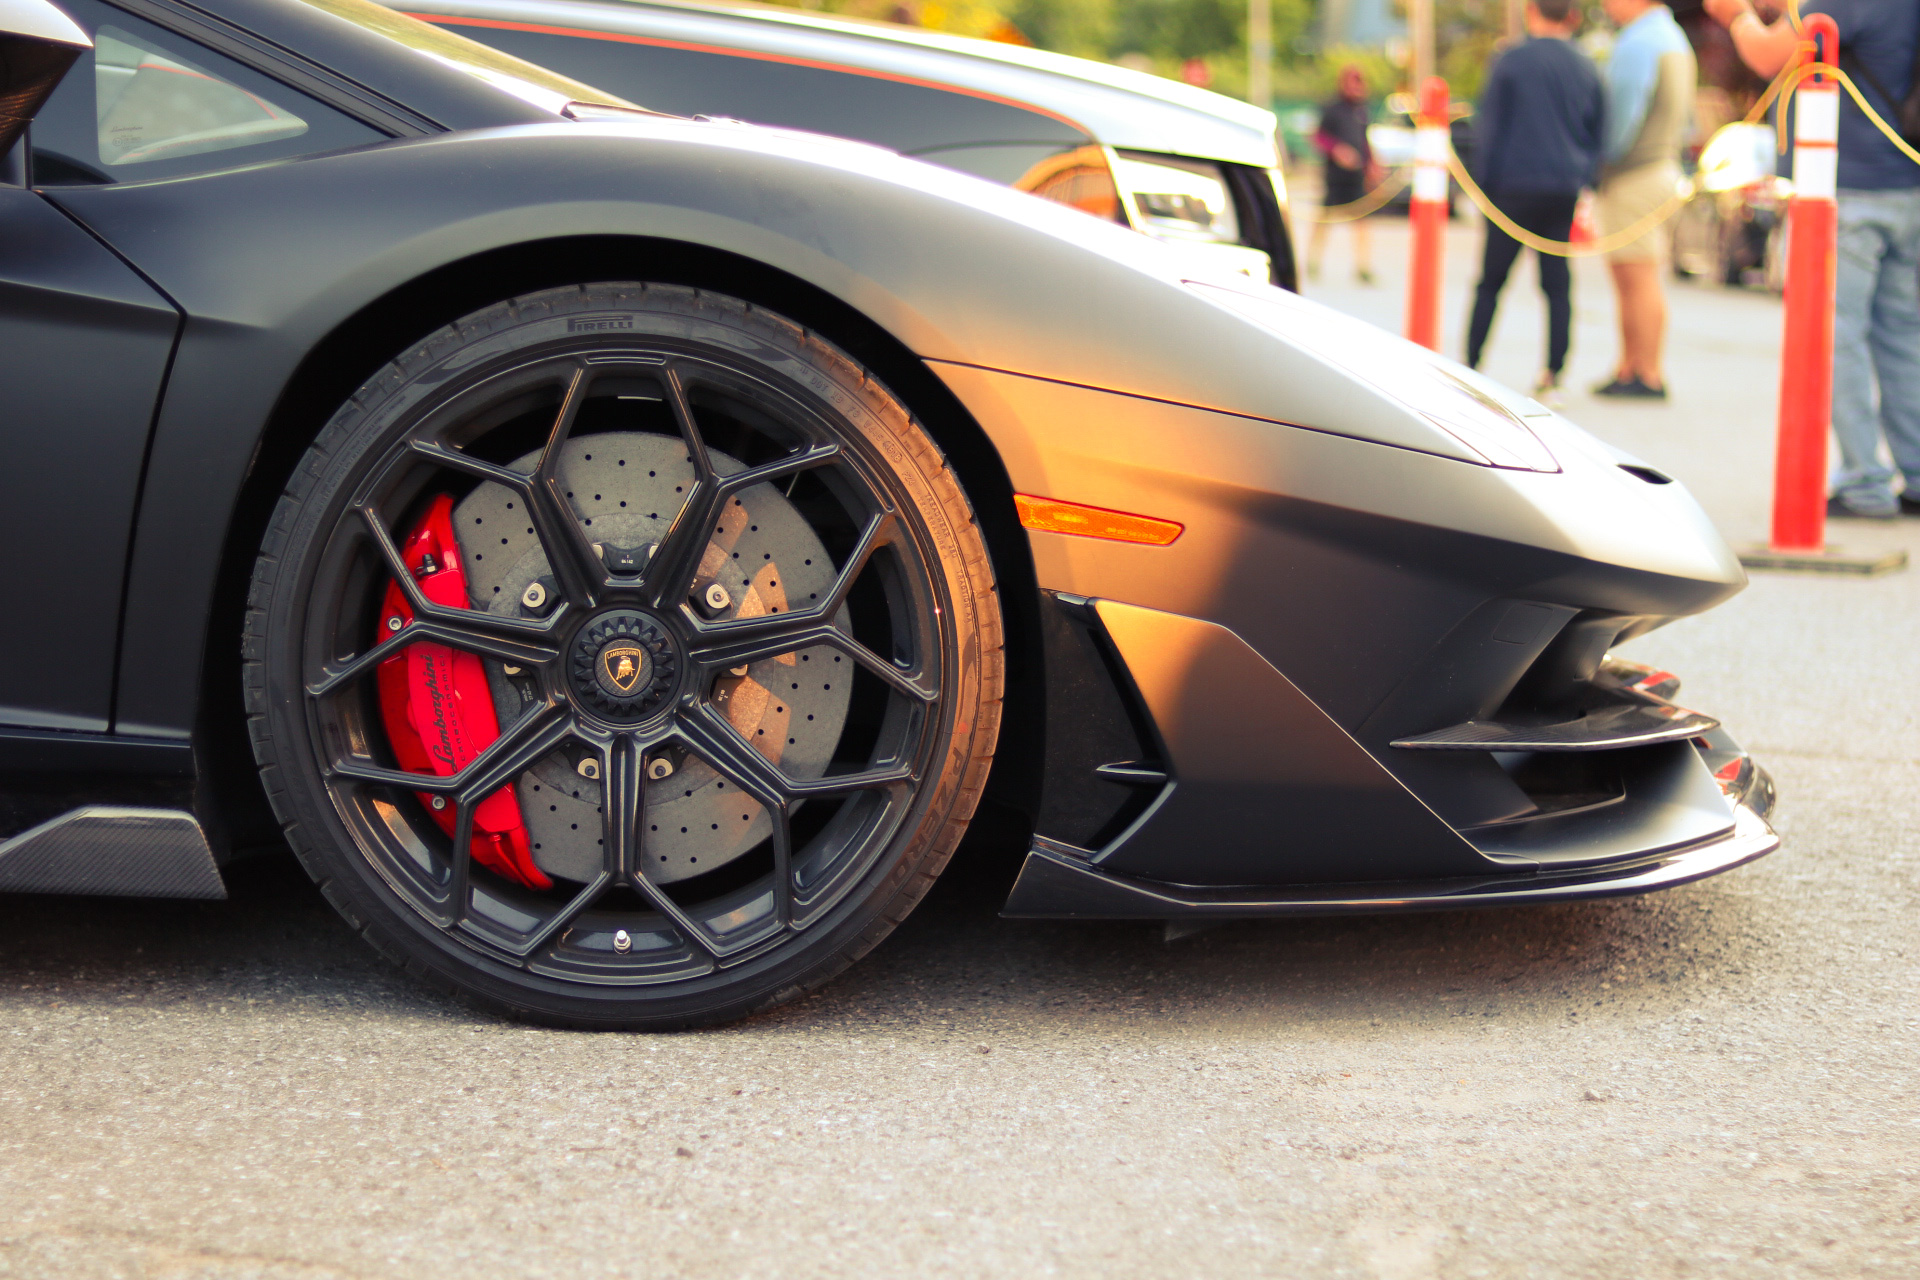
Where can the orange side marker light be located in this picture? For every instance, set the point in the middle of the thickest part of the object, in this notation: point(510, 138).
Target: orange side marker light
point(1053, 516)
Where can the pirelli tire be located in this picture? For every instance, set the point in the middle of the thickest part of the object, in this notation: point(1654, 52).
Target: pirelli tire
point(838, 531)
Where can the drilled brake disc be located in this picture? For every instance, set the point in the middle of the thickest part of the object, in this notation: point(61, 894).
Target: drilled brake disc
point(626, 487)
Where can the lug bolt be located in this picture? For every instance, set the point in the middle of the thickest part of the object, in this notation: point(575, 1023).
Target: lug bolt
point(534, 596)
point(622, 941)
point(588, 769)
point(394, 624)
point(438, 802)
point(717, 598)
point(659, 767)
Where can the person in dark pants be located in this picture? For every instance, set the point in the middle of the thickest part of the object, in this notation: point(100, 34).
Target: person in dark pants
point(1541, 122)
point(1350, 169)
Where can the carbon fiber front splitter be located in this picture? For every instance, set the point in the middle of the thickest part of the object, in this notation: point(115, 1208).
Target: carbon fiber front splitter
point(1057, 883)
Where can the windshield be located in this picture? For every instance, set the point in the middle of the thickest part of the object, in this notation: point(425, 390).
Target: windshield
point(524, 80)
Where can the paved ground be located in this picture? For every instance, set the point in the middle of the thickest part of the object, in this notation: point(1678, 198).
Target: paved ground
point(1715, 1081)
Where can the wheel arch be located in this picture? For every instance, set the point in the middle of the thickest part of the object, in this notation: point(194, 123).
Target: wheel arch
point(359, 345)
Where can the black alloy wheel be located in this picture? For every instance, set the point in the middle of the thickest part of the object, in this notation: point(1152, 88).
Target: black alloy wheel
point(624, 655)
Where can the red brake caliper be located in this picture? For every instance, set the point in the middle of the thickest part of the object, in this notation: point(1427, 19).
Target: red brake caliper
point(437, 706)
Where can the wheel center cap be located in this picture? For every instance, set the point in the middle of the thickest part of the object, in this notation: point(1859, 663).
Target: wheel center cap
point(624, 666)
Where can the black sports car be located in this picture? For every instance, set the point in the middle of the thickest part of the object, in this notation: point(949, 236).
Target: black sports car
point(619, 553)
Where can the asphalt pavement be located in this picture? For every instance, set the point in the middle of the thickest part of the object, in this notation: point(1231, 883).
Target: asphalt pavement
point(1718, 1080)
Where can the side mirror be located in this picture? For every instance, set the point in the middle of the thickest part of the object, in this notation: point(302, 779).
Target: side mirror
point(37, 44)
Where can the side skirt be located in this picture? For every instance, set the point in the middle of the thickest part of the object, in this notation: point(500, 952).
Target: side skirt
point(113, 851)
point(1057, 883)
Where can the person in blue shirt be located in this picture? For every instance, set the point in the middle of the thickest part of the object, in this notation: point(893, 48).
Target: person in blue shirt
point(1651, 79)
point(1540, 117)
point(1876, 319)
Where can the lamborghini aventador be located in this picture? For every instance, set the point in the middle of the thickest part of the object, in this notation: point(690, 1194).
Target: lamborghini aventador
point(619, 553)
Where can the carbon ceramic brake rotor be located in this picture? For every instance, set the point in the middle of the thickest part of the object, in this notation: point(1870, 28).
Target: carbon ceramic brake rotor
point(626, 488)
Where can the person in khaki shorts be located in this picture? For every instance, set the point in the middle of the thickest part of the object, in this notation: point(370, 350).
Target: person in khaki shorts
point(1650, 86)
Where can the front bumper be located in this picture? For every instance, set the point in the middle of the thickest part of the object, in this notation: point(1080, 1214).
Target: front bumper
point(1058, 883)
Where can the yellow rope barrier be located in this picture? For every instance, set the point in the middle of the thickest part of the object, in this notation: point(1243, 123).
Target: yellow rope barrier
point(1564, 248)
point(1370, 203)
point(1853, 91)
point(1783, 87)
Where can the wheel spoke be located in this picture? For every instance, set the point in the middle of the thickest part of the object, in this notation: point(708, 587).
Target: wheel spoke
point(577, 568)
point(911, 684)
point(532, 942)
point(458, 635)
point(460, 863)
point(463, 628)
point(732, 646)
point(509, 755)
point(714, 740)
point(752, 642)
point(783, 899)
point(623, 795)
point(689, 928)
point(670, 572)
point(458, 460)
point(514, 752)
point(676, 390)
point(881, 530)
point(807, 460)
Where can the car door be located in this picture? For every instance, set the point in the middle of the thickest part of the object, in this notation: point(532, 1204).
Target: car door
point(86, 342)
point(84, 347)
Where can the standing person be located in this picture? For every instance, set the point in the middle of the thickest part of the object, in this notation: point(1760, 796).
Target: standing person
point(1350, 170)
point(1540, 117)
point(1650, 86)
point(1876, 318)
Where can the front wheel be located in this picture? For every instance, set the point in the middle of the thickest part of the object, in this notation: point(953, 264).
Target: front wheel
point(624, 655)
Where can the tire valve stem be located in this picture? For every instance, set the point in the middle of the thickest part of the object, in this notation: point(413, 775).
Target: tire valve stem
point(659, 767)
point(394, 623)
point(588, 769)
point(439, 802)
point(622, 941)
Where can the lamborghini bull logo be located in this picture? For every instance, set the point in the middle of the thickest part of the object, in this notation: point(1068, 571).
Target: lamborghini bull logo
point(623, 665)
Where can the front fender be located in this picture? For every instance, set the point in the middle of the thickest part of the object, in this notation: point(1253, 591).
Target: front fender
point(268, 261)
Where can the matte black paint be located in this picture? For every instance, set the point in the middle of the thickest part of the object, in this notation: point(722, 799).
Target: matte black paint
point(84, 344)
point(1267, 789)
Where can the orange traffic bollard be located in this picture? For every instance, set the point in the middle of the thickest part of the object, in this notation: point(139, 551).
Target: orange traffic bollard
point(1427, 215)
point(1798, 538)
point(1806, 351)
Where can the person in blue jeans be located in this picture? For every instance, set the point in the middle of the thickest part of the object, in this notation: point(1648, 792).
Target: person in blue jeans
point(1876, 321)
point(1540, 120)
